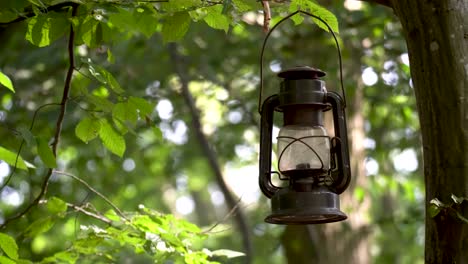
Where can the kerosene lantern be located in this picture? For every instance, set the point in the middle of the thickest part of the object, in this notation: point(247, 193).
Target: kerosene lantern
point(315, 166)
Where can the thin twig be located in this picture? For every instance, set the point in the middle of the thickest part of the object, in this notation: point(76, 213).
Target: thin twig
point(118, 211)
point(229, 214)
point(18, 153)
point(63, 104)
point(88, 213)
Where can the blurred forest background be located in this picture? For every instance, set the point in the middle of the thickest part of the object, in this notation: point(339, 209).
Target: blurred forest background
point(192, 149)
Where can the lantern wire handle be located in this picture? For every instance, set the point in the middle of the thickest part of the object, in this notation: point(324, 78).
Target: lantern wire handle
point(264, 45)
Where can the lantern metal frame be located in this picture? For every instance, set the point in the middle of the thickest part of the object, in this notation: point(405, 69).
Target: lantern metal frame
point(303, 203)
point(268, 36)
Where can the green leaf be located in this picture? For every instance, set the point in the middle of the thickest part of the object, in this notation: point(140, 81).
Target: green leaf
point(141, 19)
point(112, 140)
point(146, 224)
point(434, 210)
point(45, 153)
point(105, 77)
point(56, 206)
point(23, 261)
point(112, 215)
point(100, 102)
point(8, 245)
point(88, 129)
point(45, 29)
point(124, 112)
point(5, 260)
point(145, 21)
point(6, 13)
point(317, 10)
point(187, 226)
point(435, 207)
point(227, 253)
point(27, 136)
point(174, 6)
point(110, 56)
point(89, 30)
point(10, 158)
point(142, 105)
point(39, 226)
point(244, 5)
point(5, 81)
point(216, 19)
point(175, 27)
point(79, 85)
point(62, 257)
point(17, 4)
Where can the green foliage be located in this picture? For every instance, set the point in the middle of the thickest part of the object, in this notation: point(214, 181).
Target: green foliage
point(111, 139)
point(9, 246)
point(45, 153)
point(105, 77)
point(175, 27)
point(56, 206)
point(44, 29)
point(5, 81)
point(215, 18)
point(12, 158)
point(317, 10)
point(39, 226)
point(88, 129)
point(144, 107)
point(149, 233)
point(453, 208)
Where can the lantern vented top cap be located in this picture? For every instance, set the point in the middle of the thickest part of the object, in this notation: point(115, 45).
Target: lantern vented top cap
point(301, 72)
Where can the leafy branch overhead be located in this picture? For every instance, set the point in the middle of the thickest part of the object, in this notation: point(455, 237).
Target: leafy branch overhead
point(100, 22)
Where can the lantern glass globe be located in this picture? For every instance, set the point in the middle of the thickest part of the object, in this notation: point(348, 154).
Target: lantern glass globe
point(303, 148)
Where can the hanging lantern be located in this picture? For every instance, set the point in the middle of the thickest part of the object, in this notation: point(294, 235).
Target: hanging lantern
point(315, 166)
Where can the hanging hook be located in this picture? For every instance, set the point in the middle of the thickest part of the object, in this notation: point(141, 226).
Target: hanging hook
point(264, 45)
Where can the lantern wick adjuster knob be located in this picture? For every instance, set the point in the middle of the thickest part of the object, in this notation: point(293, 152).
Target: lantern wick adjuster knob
point(301, 72)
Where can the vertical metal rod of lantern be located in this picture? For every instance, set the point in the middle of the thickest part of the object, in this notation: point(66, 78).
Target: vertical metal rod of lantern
point(315, 180)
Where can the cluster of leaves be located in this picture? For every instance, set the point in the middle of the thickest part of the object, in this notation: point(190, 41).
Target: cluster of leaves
point(147, 233)
point(124, 114)
point(103, 22)
point(454, 208)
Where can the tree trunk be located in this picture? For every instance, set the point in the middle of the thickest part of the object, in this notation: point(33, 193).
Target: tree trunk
point(436, 33)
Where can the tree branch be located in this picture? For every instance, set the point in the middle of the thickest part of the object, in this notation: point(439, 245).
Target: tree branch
point(180, 70)
point(117, 210)
point(229, 214)
point(88, 213)
point(63, 106)
point(18, 153)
